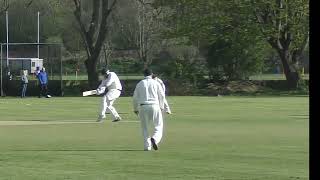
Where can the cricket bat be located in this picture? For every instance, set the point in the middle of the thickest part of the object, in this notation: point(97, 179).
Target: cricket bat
point(89, 93)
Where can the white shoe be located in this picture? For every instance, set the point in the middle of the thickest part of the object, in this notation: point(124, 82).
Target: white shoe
point(100, 118)
point(147, 149)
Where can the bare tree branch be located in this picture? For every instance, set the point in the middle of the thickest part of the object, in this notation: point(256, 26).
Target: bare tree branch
point(94, 17)
point(94, 33)
point(83, 31)
point(28, 4)
point(77, 3)
point(144, 3)
point(5, 6)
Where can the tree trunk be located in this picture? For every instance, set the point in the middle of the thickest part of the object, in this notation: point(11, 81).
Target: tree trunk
point(94, 34)
point(145, 62)
point(292, 76)
point(93, 75)
point(145, 65)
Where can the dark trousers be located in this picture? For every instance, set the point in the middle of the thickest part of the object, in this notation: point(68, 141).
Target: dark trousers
point(24, 90)
point(43, 90)
point(5, 90)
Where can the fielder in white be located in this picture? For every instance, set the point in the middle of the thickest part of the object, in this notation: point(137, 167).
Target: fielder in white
point(148, 103)
point(110, 88)
point(166, 105)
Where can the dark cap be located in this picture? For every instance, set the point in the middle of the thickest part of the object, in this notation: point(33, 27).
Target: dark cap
point(147, 72)
point(105, 71)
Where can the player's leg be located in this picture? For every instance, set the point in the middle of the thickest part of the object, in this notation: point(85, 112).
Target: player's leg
point(103, 108)
point(144, 118)
point(47, 91)
point(41, 90)
point(114, 114)
point(112, 95)
point(158, 126)
point(24, 89)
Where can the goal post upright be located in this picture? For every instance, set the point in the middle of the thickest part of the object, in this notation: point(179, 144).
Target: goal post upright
point(7, 29)
point(61, 79)
point(38, 34)
point(5, 57)
point(1, 86)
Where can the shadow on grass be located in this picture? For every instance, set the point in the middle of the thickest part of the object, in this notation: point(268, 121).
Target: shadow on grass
point(77, 150)
point(54, 120)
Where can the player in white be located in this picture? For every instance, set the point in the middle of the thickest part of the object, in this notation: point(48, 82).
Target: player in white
point(110, 88)
point(148, 103)
point(166, 105)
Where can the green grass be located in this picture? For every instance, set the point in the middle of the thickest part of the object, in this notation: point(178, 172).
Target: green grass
point(234, 138)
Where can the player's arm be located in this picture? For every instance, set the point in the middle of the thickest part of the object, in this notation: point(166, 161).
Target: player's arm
point(162, 85)
point(167, 107)
point(135, 100)
point(109, 80)
point(161, 96)
point(41, 79)
point(102, 88)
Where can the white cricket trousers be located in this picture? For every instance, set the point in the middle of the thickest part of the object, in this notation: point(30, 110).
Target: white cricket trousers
point(107, 103)
point(151, 114)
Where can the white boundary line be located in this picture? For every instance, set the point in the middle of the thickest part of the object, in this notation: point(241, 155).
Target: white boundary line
point(23, 123)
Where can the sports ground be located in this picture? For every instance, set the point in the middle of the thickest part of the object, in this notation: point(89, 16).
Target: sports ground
point(234, 138)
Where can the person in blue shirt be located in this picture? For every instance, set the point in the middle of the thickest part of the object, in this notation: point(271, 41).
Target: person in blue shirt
point(37, 71)
point(43, 81)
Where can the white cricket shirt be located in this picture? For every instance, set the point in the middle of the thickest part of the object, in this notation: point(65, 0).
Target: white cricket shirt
point(112, 82)
point(148, 91)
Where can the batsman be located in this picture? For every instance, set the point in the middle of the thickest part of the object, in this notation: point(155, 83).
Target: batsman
point(110, 89)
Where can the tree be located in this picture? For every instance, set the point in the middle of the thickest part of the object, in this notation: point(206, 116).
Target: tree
point(140, 26)
point(107, 52)
point(221, 30)
point(285, 26)
point(149, 29)
point(4, 6)
point(94, 33)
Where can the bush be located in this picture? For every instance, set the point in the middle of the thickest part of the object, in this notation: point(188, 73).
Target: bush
point(126, 66)
point(175, 87)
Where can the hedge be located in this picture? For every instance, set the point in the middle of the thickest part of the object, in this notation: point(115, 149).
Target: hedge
point(174, 87)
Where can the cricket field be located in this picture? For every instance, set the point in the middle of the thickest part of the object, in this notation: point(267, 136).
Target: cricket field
point(219, 138)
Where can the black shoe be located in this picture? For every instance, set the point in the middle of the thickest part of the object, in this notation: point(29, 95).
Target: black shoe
point(116, 120)
point(153, 143)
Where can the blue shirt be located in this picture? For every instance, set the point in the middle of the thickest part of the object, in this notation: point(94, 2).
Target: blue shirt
point(43, 77)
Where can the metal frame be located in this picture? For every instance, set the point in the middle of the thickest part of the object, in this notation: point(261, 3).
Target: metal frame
point(1, 93)
point(58, 45)
point(38, 44)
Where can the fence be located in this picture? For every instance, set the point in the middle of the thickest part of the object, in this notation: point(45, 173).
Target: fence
point(29, 56)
